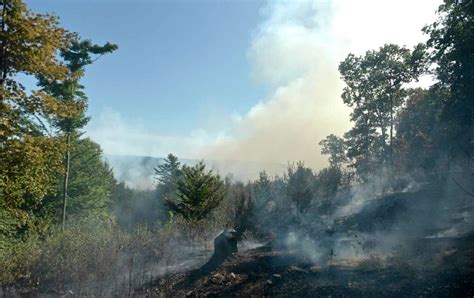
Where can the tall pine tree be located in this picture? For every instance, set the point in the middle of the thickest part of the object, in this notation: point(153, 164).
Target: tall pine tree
point(70, 93)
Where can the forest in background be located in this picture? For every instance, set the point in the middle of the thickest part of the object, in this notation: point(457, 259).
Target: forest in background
point(64, 219)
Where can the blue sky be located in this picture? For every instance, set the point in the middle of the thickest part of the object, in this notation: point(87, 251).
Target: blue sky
point(176, 59)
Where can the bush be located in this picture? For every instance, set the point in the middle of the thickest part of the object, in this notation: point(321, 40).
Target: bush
point(83, 252)
point(95, 257)
point(17, 261)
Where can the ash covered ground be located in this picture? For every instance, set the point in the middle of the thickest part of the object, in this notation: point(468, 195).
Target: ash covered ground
point(419, 242)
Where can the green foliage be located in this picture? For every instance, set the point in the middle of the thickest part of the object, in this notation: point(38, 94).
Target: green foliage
point(363, 147)
point(69, 91)
point(198, 193)
point(451, 41)
point(374, 88)
point(269, 197)
point(335, 147)
point(29, 156)
point(236, 209)
point(243, 211)
point(27, 173)
point(414, 129)
point(262, 192)
point(29, 45)
point(91, 182)
point(433, 127)
point(71, 98)
point(329, 181)
point(168, 174)
point(91, 179)
point(86, 250)
point(18, 261)
point(30, 41)
point(32, 156)
point(135, 208)
point(421, 137)
point(300, 186)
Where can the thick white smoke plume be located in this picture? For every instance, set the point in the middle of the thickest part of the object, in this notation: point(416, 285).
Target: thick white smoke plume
point(295, 52)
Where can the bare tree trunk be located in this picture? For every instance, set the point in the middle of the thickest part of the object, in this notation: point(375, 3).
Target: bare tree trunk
point(66, 177)
point(391, 132)
point(366, 140)
point(2, 50)
point(384, 144)
point(3, 62)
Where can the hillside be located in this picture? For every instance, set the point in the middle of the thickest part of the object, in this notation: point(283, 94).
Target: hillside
point(138, 171)
point(389, 247)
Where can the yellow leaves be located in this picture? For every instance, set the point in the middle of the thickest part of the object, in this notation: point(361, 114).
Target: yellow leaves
point(51, 104)
point(30, 160)
point(28, 168)
point(61, 109)
point(31, 42)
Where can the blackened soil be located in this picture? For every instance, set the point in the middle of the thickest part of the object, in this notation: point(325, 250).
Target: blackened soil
point(268, 272)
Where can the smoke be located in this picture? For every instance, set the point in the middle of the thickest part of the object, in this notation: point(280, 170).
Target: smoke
point(381, 182)
point(386, 220)
point(118, 136)
point(294, 52)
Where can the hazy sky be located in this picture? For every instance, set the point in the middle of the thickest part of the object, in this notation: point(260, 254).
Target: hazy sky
point(246, 80)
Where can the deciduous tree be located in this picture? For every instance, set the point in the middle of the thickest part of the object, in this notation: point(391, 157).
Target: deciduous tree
point(335, 147)
point(30, 156)
point(375, 89)
point(451, 41)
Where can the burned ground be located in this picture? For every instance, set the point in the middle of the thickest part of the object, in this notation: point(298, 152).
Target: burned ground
point(407, 244)
point(268, 272)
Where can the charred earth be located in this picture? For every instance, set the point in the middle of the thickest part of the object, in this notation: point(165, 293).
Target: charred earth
point(412, 243)
point(267, 271)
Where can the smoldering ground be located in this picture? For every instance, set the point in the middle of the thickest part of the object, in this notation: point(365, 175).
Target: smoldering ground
point(370, 221)
point(413, 241)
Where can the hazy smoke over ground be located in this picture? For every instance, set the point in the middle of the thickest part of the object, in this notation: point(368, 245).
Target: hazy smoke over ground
point(295, 51)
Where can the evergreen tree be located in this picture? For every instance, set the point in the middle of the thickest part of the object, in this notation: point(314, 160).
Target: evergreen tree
point(91, 184)
point(300, 186)
point(262, 191)
point(198, 193)
point(91, 181)
point(69, 92)
point(168, 174)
